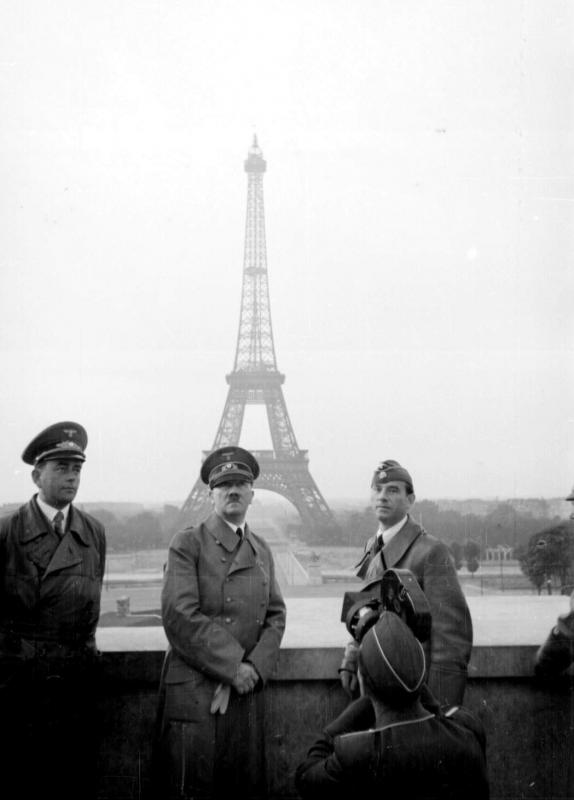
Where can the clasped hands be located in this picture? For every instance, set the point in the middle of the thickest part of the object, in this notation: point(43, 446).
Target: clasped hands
point(245, 680)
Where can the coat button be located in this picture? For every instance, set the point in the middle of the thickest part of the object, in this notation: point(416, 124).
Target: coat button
point(228, 619)
point(228, 599)
point(223, 559)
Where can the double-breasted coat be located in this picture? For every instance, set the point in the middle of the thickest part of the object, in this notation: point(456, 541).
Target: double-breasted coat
point(49, 608)
point(221, 605)
point(448, 649)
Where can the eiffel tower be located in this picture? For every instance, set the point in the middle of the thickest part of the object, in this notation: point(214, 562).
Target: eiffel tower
point(256, 380)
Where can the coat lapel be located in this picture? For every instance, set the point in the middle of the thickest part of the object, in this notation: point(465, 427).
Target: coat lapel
point(35, 523)
point(68, 553)
point(247, 553)
point(395, 550)
point(221, 532)
point(372, 566)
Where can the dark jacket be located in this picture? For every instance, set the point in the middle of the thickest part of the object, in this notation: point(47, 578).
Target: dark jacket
point(448, 650)
point(438, 757)
point(556, 654)
point(49, 608)
point(49, 599)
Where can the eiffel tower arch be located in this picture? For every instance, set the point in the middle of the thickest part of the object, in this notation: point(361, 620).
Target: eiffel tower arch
point(255, 380)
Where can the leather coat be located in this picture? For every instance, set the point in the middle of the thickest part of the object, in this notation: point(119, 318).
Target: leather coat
point(49, 598)
point(49, 608)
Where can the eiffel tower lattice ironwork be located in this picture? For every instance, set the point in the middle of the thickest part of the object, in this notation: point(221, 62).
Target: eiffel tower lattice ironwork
point(256, 380)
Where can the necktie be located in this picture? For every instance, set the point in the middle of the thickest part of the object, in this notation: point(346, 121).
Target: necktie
point(58, 526)
point(239, 532)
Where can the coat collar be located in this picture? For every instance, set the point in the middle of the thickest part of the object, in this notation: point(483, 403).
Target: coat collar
point(35, 523)
point(248, 553)
point(371, 566)
point(400, 543)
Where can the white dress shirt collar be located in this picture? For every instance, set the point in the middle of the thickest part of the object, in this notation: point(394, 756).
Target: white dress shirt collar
point(392, 531)
point(235, 528)
point(50, 512)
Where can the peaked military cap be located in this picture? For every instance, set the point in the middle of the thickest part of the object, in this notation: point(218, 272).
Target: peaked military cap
point(390, 470)
point(392, 660)
point(228, 463)
point(62, 440)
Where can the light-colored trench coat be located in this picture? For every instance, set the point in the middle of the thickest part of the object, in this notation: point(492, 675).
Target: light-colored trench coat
point(221, 605)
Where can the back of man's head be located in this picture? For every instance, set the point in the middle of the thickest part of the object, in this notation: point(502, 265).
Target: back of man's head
point(392, 662)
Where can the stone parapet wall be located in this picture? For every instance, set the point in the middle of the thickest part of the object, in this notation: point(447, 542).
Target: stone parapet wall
point(530, 727)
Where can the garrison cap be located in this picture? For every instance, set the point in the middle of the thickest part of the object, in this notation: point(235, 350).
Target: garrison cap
point(229, 463)
point(62, 440)
point(390, 470)
point(392, 660)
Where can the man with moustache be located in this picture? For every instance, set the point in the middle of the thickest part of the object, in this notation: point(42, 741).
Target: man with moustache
point(52, 559)
point(224, 618)
point(400, 543)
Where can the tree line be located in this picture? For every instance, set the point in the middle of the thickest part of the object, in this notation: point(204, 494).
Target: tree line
point(543, 545)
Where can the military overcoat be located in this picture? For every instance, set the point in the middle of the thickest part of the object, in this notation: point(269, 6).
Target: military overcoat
point(221, 605)
point(49, 609)
point(448, 649)
point(49, 596)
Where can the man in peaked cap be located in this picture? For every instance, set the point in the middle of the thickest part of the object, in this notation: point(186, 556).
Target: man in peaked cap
point(387, 742)
point(399, 543)
point(51, 570)
point(224, 618)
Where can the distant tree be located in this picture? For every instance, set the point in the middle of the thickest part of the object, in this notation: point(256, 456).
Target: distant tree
point(115, 529)
point(456, 550)
point(471, 554)
point(356, 527)
point(144, 531)
point(472, 565)
point(550, 554)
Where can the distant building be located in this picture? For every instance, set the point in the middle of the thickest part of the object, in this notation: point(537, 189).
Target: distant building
point(502, 552)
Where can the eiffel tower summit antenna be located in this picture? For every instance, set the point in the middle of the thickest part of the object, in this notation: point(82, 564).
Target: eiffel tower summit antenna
point(255, 380)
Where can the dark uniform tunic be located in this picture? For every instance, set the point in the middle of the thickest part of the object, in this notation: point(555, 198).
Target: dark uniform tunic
point(438, 757)
point(221, 605)
point(49, 608)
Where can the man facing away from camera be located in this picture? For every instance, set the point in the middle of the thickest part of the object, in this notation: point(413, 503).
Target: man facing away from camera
point(224, 618)
point(400, 543)
point(52, 558)
point(387, 743)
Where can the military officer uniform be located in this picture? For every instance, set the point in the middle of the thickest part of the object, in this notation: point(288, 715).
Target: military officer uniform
point(221, 606)
point(51, 571)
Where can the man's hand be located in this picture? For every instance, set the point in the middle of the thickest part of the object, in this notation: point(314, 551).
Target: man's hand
point(220, 699)
point(348, 669)
point(246, 678)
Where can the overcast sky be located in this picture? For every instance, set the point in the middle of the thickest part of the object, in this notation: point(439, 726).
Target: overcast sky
point(419, 215)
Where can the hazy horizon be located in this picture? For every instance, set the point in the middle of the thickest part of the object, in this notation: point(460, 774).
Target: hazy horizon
point(419, 201)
